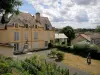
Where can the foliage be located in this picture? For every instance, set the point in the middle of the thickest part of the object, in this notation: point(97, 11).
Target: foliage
point(53, 52)
point(82, 30)
point(60, 55)
point(94, 48)
point(4, 65)
point(98, 29)
point(9, 6)
point(82, 49)
point(32, 66)
point(69, 32)
point(50, 45)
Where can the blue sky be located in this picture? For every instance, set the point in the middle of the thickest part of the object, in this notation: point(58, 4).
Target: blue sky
point(26, 7)
point(76, 13)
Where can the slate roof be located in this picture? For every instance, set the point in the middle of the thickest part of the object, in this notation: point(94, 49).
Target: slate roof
point(45, 20)
point(22, 19)
point(26, 18)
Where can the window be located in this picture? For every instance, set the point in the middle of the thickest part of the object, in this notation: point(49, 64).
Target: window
point(35, 45)
point(16, 36)
point(35, 35)
point(26, 35)
point(16, 47)
point(35, 26)
point(26, 25)
point(16, 25)
point(48, 34)
point(46, 27)
point(46, 43)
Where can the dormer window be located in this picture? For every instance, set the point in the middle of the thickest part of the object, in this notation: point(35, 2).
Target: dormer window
point(36, 21)
point(16, 25)
point(46, 27)
point(36, 26)
point(26, 25)
point(33, 26)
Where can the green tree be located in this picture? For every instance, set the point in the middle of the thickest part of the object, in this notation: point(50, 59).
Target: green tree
point(98, 29)
point(69, 32)
point(9, 6)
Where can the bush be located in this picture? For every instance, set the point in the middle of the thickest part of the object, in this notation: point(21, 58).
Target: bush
point(60, 55)
point(50, 45)
point(53, 52)
point(81, 49)
point(4, 65)
point(63, 42)
point(95, 48)
point(95, 51)
point(31, 66)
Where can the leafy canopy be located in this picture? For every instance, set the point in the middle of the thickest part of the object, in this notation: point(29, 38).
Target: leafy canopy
point(10, 6)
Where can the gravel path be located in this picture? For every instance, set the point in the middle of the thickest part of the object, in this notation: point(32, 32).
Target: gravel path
point(72, 70)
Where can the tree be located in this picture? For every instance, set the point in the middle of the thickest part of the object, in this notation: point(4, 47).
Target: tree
point(9, 6)
point(69, 32)
point(98, 29)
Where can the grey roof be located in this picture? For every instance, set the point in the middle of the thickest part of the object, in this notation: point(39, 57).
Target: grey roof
point(95, 36)
point(45, 20)
point(26, 18)
point(22, 19)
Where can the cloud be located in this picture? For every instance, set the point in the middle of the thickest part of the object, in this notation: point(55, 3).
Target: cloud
point(85, 2)
point(82, 16)
point(72, 12)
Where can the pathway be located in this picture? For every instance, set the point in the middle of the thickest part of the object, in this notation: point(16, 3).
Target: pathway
point(72, 70)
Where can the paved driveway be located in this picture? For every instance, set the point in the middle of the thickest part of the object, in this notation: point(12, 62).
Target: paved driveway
point(72, 70)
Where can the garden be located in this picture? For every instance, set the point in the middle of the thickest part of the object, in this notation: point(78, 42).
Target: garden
point(35, 65)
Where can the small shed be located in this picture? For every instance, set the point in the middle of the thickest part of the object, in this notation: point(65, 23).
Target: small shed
point(60, 37)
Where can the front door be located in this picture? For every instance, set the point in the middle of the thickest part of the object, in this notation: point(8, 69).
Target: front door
point(16, 47)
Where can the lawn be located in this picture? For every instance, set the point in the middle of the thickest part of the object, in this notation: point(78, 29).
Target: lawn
point(80, 62)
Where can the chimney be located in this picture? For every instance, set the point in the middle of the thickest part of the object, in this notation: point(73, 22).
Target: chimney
point(37, 17)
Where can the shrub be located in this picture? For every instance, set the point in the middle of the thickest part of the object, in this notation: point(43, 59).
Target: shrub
point(95, 51)
point(63, 42)
point(4, 65)
point(31, 66)
point(81, 49)
point(50, 45)
point(60, 55)
point(95, 48)
point(53, 52)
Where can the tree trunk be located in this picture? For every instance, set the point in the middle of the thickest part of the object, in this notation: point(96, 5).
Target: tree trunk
point(69, 42)
point(4, 18)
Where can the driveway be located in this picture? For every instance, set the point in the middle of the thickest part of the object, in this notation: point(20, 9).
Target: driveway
point(72, 70)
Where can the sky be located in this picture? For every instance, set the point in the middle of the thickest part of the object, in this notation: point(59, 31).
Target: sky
point(61, 13)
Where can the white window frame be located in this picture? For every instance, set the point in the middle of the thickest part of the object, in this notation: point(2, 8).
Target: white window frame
point(16, 36)
point(35, 45)
point(16, 46)
point(46, 44)
point(35, 35)
point(26, 35)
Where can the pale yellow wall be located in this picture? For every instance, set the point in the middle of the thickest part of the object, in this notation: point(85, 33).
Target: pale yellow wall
point(7, 36)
